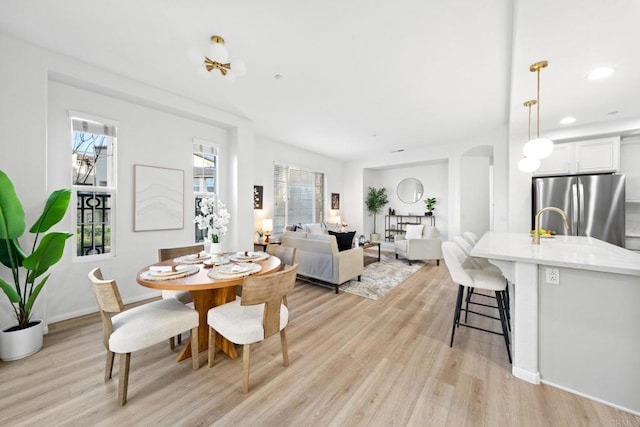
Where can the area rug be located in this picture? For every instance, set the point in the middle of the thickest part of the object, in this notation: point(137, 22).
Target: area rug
point(379, 278)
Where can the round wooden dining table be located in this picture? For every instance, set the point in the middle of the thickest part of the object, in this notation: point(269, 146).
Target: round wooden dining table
point(206, 293)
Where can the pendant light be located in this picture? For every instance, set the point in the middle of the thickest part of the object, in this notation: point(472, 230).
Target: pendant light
point(529, 164)
point(538, 148)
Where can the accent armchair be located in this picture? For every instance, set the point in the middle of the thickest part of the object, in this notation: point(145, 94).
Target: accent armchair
point(420, 242)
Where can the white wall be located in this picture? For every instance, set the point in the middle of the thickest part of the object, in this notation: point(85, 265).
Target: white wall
point(156, 129)
point(475, 200)
point(267, 152)
point(434, 179)
point(361, 173)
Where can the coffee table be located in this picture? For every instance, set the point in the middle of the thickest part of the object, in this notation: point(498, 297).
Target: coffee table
point(372, 245)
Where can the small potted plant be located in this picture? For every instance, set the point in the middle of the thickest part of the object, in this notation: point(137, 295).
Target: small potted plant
point(27, 269)
point(376, 200)
point(430, 203)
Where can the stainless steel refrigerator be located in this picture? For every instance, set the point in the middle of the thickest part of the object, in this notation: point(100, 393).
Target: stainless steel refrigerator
point(594, 205)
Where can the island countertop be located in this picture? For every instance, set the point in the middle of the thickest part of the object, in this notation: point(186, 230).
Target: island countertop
point(563, 251)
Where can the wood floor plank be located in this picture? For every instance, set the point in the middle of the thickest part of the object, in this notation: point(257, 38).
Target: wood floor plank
point(353, 361)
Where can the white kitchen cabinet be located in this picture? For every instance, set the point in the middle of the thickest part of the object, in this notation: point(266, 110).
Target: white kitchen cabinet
point(558, 162)
point(589, 156)
point(629, 155)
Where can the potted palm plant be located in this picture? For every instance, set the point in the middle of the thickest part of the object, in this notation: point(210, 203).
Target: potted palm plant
point(376, 199)
point(27, 269)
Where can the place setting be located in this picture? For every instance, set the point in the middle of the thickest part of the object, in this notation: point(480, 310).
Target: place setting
point(248, 256)
point(197, 258)
point(233, 270)
point(165, 272)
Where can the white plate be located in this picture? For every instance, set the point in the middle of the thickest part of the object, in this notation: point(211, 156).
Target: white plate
point(254, 256)
point(192, 258)
point(166, 270)
point(233, 269)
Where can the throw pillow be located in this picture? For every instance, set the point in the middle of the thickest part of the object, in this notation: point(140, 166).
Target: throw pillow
point(315, 228)
point(414, 231)
point(344, 240)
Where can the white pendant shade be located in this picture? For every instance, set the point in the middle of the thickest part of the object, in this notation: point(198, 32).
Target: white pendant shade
point(218, 52)
point(528, 164)
point(239, 67)
point(538, 148)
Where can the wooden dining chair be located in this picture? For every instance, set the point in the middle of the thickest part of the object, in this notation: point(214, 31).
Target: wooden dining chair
point(259, 314)
point(165, 254)
point(126, 331)
point(287, 256)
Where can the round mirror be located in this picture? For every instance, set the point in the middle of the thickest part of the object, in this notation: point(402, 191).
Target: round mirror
point(410, 190)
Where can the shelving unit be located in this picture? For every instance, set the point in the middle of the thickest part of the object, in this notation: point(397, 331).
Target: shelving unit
point(397, 224)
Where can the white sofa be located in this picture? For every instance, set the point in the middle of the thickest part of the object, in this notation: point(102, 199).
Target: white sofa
point(420, 242)
point(318, 257)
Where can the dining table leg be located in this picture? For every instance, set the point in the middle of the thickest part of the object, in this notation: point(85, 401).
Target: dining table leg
point(203, 301)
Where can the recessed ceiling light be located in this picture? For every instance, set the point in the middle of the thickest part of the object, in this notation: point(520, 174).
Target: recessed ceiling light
point(398, 151)
point(277, 76)
point(612, 113)
point(600, 73)
point(567, 120)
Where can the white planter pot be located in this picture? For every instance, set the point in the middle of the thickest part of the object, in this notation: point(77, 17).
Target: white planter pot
point(15, 345)
point(216, 249)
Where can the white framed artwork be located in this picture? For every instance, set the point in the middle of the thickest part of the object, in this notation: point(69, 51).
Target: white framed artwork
point(159, 198)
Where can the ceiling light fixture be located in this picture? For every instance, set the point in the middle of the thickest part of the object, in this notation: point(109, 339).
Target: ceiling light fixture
point(529, 164)
point(567, 120)
point(538, 148)
point(218, 59)
point(600, 73)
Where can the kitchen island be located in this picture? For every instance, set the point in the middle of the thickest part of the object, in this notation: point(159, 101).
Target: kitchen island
point(575, 313)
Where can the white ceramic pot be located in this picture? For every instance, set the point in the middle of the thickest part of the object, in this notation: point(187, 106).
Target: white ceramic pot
point(216, 249)
point(18, 344)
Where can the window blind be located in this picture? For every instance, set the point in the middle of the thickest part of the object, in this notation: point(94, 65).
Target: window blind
point(299, 196)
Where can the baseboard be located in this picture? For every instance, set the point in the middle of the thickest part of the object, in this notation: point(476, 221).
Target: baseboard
point(94, 309)
point(587, 396)
point(528, 376)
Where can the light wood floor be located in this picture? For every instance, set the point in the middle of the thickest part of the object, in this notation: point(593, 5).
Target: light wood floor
point(353, 362)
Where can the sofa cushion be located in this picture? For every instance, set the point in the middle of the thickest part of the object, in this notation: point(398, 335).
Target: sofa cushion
point(344, 240)
point(315, 229)
point(430, 232)
point(414, 231)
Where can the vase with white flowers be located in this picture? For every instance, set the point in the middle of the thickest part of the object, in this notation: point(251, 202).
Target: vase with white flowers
point(213, 218)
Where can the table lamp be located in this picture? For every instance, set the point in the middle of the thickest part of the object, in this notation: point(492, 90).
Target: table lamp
point(267, 228)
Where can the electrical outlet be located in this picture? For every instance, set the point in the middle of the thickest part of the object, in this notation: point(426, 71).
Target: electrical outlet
point(553, 276)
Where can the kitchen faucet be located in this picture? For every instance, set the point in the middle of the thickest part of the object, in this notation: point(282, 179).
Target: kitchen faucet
point(536, 232)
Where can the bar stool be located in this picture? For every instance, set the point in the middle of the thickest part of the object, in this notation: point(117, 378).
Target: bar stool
point(478, 279)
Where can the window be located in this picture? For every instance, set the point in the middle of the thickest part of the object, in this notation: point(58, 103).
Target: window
point(93, 144)
point(205, 177)
point(299, 196)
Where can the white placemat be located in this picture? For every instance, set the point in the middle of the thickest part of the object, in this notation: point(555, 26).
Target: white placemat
point(233, 271)
point(248, 256)
point(192, 258)
point(183, 271)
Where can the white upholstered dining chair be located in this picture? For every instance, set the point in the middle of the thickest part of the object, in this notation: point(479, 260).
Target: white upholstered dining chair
point(126, 331)
point(259, 314)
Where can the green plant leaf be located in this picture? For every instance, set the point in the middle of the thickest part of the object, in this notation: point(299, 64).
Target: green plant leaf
point(11, 248)
point(9, 291)
point(53, 211)
point(12, 219)
point(48, 252)
point(34, 295)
